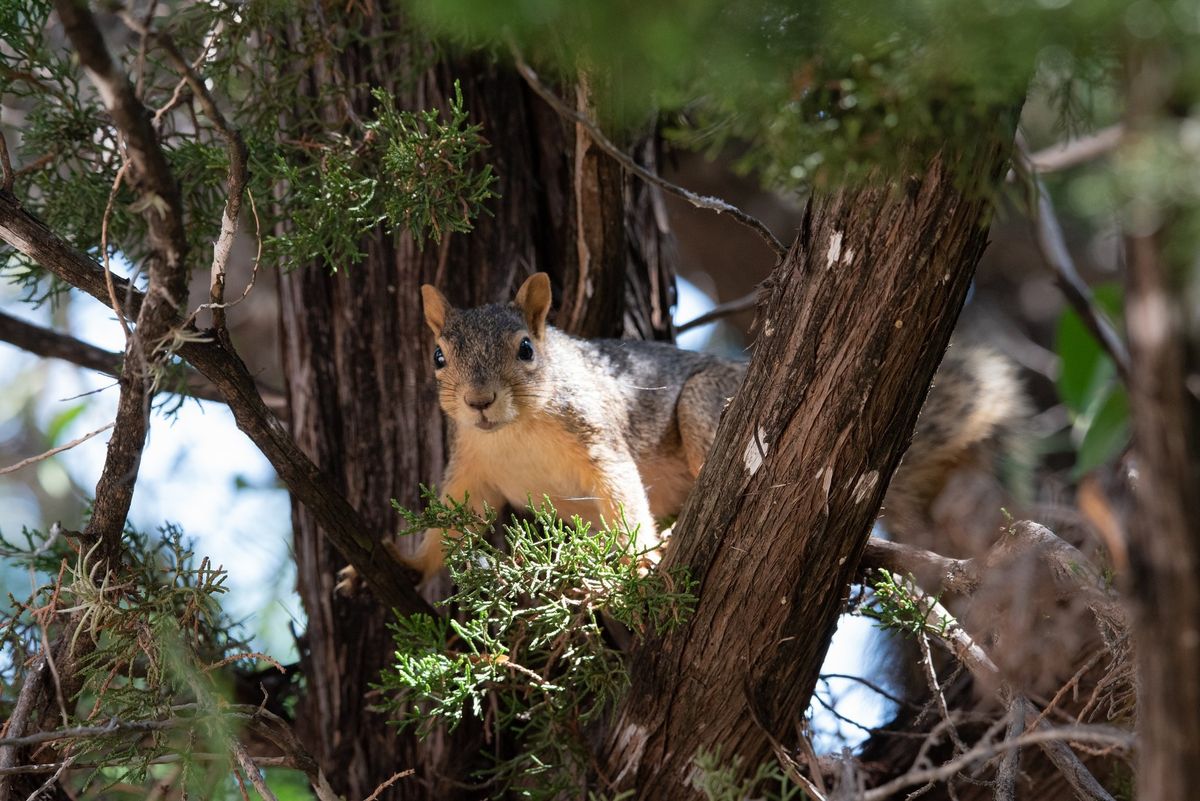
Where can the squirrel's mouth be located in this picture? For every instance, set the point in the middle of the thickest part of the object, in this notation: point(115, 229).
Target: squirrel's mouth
point(484, 424)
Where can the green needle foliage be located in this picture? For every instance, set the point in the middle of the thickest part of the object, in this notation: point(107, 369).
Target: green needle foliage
point(412, 172)
point(329, 164)
point(527, 653)
point(151, 644)
point(897, 607)
point(726, 781)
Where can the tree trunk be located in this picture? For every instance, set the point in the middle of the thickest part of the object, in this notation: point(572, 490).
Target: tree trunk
point(854, 325)
point(1163, 325)
point(357, 356)
point(1164, 551)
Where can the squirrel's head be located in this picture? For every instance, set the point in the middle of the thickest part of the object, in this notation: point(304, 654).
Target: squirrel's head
point(489, 361)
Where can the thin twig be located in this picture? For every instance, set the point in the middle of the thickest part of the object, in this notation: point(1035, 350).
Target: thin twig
point(54, 345)
point(108, 277)
point(1100, 735)
point(935, 687)
point(66, 763)
point(699, 201)
point(166, 759)
point(53, 451)
point(252, 771)
point(1053, 247)
point(744, 303)
point(388, 783)
point(1010, 765)
point(1064, 155)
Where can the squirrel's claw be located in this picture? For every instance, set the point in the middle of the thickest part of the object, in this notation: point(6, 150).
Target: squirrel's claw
point(349, 582)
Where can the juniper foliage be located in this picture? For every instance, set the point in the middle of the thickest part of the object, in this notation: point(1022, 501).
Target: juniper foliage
point(525, 651)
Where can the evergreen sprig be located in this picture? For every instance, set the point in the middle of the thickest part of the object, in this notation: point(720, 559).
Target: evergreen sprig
point(147, 637)
point(527, 652)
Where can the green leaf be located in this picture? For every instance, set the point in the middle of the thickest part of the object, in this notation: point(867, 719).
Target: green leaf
point(61, 421)
point(1086, 369)
point(1107, 432)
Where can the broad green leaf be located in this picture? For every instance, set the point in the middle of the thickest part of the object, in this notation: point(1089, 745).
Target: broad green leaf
point(1107, 432)
point(61, 421)
point(1086, 369)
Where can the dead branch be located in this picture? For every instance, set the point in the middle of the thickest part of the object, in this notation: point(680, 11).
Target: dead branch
point(395, 777)
point(1053, 247)
point(744, 303)
point(946, 627)
point(1099, 735)
point(54, 345)
point(251, 770)
point(53, 451)
point(387, 578)
point(1073, 574)
point(1067, 154)
point(603, 142)
point(1010, 765)
point(936, 572)
point(238, 173)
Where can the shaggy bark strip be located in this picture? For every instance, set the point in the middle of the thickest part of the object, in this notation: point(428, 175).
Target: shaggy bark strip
point(855, 322)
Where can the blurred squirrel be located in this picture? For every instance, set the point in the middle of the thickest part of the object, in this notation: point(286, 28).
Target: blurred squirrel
point(609, 427)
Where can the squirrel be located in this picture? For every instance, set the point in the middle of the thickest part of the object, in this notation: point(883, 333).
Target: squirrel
point(608, 427)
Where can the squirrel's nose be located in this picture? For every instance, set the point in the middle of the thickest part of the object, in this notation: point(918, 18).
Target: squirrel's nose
point(481, 401)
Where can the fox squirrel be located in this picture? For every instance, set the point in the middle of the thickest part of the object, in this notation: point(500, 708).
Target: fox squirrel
point(605, 427)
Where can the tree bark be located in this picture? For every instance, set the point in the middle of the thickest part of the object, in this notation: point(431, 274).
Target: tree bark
point(853, 326)
point(357, 356)
point(1163, 326)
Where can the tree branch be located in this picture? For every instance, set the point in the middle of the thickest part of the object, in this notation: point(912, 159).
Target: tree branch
point(1053, 247)
point(237, 175)
point(53, 451)
point(390, 581)
point(744, 303)
point(1073, 574)
point(603, 142)
point(162, 207)
point(1099, 735)
point(54, 345)
point(941, 624)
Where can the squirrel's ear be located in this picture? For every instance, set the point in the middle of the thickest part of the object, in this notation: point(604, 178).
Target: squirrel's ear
point(436, 308)
point(534, 299)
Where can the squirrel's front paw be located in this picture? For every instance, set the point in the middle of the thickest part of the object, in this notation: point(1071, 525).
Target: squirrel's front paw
point(349, 582)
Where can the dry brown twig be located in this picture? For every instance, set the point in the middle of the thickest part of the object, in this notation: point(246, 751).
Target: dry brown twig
point(108, 276)
point(727, 309)
point(395, 777)
point(605, 144)
point(41, 457)
point(947, 629)
point(251, 770)
point(1101, 735)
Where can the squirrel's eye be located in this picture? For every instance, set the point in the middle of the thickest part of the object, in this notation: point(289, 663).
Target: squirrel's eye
point(525, 351)
point(439, 358)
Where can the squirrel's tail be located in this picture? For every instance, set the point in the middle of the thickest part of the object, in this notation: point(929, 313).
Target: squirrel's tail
point(970, 436)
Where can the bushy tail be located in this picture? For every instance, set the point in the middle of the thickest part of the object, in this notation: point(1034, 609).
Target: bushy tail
point(949, 482)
